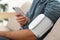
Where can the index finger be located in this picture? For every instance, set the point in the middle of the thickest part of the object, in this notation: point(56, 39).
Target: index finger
point(17, 15)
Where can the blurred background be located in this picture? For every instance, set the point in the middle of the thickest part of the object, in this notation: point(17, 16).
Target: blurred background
point(7, 12)
point(12, 3)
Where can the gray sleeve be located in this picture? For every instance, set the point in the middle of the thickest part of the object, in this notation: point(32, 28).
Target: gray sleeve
point(40, 25)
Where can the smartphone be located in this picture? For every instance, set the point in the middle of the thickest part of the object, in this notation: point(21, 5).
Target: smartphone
point(18, 10)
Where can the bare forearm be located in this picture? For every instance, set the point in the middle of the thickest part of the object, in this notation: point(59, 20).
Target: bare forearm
point(19, 35)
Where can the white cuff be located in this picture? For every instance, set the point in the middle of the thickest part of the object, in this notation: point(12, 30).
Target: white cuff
point(40, 25)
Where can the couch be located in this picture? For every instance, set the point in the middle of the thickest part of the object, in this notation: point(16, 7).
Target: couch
point(55, 32)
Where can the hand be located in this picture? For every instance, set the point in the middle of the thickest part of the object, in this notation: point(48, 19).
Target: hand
point(22, 20)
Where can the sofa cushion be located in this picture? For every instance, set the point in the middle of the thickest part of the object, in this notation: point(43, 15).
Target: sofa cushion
point(55, 32)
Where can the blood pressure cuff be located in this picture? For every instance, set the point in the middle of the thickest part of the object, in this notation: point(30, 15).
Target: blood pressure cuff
point(51, 15)
point(40, 25)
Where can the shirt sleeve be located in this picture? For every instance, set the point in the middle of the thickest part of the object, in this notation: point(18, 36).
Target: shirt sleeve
point(52, 10)
point(40, 25)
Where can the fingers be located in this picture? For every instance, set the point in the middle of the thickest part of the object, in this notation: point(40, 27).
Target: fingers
point(22, 23)
point(22, 20)
point(21, 17)
point(17, 14)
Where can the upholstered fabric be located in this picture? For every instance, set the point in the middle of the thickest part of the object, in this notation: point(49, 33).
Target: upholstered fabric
point(55, 32)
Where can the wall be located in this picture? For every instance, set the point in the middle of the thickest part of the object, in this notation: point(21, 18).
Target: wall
point(13, 3)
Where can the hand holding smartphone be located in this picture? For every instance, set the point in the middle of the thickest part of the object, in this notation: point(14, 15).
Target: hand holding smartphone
point(18, 10)
point(21, 19)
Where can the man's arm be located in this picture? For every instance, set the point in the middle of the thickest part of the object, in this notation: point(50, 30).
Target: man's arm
point(41, 26)
point(19, 35)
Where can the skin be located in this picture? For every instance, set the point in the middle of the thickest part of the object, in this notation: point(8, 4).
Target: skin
point(19, 35)
point(22, 20)
point(25, 34)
